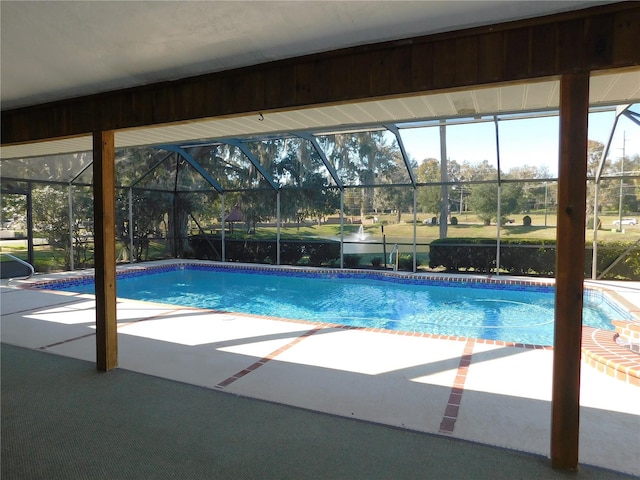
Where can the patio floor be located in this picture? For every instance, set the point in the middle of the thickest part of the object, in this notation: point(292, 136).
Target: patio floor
point(461, 388)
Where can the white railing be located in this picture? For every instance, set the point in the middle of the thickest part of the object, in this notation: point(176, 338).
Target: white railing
point(21, 262)
point(394, 250)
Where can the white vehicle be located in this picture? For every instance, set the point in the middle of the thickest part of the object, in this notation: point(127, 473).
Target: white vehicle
point(626, 221)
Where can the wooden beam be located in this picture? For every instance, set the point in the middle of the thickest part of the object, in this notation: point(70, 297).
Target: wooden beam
point(603, 37)
point(105, 249)
point(570, 254)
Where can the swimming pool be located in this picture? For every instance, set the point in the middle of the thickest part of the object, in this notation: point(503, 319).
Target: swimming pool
point(496, 310)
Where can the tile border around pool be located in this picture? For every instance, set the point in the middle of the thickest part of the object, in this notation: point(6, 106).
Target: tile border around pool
point(80, 277)
point(604, 355)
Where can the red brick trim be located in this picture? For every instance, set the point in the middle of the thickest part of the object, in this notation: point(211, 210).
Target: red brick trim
point(452, 409)
point(600, 351)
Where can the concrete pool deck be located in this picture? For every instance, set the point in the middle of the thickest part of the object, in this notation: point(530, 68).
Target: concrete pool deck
point(463, 388)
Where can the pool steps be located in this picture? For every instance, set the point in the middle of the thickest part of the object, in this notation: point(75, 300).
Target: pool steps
point(601, 351)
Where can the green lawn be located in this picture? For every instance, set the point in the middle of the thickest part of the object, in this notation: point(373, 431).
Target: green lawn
point(469, 226)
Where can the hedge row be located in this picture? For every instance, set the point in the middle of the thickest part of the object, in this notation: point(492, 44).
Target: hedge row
point(517, 257)
point(524, 257)
point(319, 253)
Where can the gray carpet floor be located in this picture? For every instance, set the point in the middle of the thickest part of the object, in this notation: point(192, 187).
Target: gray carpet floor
point(61, 419)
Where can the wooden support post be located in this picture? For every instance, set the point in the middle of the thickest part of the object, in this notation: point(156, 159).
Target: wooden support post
point(105, 249)
point(570, 255)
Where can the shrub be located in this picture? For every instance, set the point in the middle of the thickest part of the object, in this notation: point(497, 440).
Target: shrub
point(479, 255)
point(526, 221)
point(265, 251)
point(527, 257)
point(290, 253)
point(376, 262)
point(454, 220)
point(405, 262)
point(322, 252)
point(628, 268)
point(352, 261)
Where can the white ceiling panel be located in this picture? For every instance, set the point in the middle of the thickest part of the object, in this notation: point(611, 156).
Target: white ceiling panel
point(609, 89)
point(541, 96)
point(488, 100)
point(441, 106)
point(512, 98)
point(600, 87)
point(53, 147)
point(605, 90)
point(464, 103)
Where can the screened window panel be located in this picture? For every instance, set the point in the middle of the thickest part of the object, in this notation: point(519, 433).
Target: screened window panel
point(205, 207)
point(268, 153)
point(14, 186)
point(55, 168)
point(366, 158)
point(212, 160)
point(529, 146)
point(145, 166)
point(161, 176)
point(86, 177)
point(422, 144)
point(189, 179)
point(82, 226)
point(82, 209)
point(293, 162)
point(236, 171)
point(473, 147)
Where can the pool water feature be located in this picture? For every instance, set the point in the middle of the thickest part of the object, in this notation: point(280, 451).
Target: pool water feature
point(508, 312)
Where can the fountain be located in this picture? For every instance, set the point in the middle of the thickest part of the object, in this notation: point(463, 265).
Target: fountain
point(359, 242)
point(361, 234)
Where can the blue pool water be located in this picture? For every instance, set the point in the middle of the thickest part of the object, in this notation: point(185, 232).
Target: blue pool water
point(513, 313)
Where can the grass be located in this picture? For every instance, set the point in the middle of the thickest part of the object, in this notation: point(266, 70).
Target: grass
point(469, 226)
point(47, 258)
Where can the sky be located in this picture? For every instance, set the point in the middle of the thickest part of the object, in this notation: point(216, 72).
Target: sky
point(522, 142)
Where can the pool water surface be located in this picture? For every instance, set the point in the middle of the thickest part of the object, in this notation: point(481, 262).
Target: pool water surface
point(507, 312)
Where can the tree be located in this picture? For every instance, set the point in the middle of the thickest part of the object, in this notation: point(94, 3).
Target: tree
point(167, 192)
point(51, 217)
point(396, 198)
point(13, 207)
point(368, 159)
point(429, 197)
point(148, 212)
point(609, 189)
point(627, 187)
point(533, 194)
point(82, 226)
point(594, 154)
point(484, 200)
point(478, 171)
point(311, 195)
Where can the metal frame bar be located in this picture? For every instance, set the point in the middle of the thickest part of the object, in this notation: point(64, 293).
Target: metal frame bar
point(323, 157)
point(256, 163)
point(194, 163)
point(394, 129)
